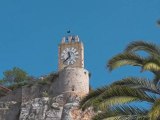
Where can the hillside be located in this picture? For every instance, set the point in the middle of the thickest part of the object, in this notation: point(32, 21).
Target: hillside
point(38, 101)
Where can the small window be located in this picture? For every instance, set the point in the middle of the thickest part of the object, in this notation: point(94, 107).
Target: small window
point(73, 88)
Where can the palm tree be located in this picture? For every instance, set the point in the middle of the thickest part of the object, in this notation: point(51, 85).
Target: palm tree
point(112, 101)
point(130, 57)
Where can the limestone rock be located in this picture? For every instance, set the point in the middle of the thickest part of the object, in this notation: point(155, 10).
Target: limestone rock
point(9, 110)
point(57, 108)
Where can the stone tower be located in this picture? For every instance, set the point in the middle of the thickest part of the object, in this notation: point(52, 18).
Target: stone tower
point(73, 78)
point(58, 100)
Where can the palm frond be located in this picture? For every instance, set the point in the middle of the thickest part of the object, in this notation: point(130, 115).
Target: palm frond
point(119, 95)
point(138, 83)
point(125, 59)
point(115, 95)
point(92, 95)
point(154, 113)
point(156, 79)
point(150, 48)
point(151, 64)
point(123, 113)
point(115, 100)
point(151, 67)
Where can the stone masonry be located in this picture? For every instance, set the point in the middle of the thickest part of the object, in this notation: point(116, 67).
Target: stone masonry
point(57, 108)
point(72, 80)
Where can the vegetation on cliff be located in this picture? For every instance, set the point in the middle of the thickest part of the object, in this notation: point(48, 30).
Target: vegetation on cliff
point(16, 78)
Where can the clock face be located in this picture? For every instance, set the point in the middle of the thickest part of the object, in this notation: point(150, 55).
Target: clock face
point(69, 56)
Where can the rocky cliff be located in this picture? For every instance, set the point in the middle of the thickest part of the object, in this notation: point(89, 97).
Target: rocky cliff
point(56, 108)
point(37, 103)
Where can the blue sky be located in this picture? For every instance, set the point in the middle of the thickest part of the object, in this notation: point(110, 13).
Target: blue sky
point(30, 31)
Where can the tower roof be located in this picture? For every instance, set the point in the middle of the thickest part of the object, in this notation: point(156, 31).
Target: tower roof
point(70, 39)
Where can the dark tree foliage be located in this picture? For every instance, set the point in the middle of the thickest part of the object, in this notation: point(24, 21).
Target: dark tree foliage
point(14, 76)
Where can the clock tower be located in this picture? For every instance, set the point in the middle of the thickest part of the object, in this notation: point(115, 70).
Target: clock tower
point(71, 53)
point(72, 78)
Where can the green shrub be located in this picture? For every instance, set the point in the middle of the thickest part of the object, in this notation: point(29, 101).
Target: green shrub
point(45, 94)
point(17, 85)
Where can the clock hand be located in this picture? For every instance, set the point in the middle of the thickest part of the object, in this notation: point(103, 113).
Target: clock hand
point(65, 59)
point(69, 55)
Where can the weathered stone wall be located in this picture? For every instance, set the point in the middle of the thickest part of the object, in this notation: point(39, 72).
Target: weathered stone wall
point(10, 104)
point(15, 95)
point(35, 91)
point(71, 80)
point(57, 108)
point(9, 110)
point(59, 103)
